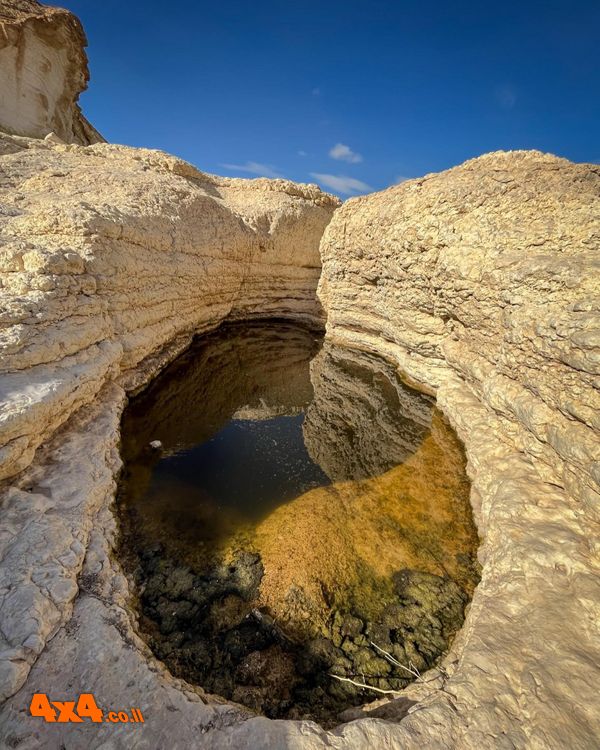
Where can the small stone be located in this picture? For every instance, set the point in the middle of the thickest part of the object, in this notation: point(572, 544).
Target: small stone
point(53, 138)
point(351, 626)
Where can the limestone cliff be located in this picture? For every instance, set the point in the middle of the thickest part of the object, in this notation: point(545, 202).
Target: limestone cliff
point(43, 70)
point(110, 254)
point(480, 282)
point(111, 259)
point(483, 283)
point(489, 271)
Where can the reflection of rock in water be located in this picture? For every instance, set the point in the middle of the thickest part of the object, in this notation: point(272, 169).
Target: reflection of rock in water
point(339, 546)
point(261, 370)
point(284, 601)
point(363, 420)
point(243, 372)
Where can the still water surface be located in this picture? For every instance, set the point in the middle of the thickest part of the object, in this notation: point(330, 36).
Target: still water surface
point(306, 512)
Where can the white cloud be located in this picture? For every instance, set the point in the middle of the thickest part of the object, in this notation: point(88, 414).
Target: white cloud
point(400, 178)
point(341, 184)
point(341, 152)
point(302, 153)
point(253, 167)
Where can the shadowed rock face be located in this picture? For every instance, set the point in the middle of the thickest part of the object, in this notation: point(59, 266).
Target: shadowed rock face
point(43, 70)
point(259, 597)
point(362, 420)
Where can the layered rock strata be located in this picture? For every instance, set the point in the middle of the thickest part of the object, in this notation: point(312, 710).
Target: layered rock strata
point(43, 70)
point(110, 254)
point(483, 284)
point(112, 258)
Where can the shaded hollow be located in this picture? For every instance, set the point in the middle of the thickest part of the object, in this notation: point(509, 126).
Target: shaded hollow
point(306, 512)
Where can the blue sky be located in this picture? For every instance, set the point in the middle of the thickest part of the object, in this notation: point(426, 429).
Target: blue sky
point(354, 95)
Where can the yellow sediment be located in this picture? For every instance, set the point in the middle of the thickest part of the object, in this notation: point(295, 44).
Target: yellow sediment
point(342, 543)
point(337, 547)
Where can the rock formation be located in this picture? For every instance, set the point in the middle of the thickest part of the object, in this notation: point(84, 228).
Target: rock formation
point(112, 258)
point(480, 282)
point(43, 70)
point(483, 283)
point(110, 254)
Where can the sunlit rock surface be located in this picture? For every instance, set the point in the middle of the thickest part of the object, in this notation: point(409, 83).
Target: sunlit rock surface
point(483, 282)
point(480, 282)
point(111, 259)
point(110, 254)
point(43, 70)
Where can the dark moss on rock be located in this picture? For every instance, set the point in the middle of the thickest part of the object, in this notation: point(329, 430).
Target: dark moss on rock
point(208, 629)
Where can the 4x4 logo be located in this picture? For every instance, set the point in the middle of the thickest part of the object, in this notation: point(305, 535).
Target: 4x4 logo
point(87, 708)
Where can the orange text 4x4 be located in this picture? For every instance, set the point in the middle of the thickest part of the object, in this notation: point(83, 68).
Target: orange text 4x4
point(85, 708)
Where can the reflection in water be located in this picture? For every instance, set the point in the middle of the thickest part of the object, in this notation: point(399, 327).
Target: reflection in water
point(362, 420)
point(229, 415)
point(298, 512)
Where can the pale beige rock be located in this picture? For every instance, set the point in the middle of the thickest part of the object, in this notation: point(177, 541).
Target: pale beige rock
point(417, 274)
point(109, 254)
point(43, 70)
point(491, 268)
point(481, 283)
point(112, 258)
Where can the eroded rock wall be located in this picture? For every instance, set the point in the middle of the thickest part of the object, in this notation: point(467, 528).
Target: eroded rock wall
point(490, 270)
point(483, 283)
point(43, 70)
point(109, 254)
point(111, 259)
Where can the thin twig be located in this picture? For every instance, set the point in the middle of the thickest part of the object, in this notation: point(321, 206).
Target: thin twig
point(411, 669)
point(363, 685)
point(443, 676)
